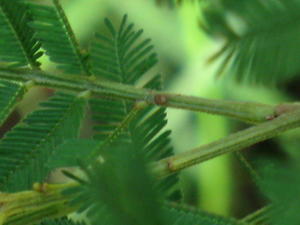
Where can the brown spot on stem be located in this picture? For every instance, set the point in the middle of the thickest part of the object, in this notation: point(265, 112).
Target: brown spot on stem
point(170, 166)
point(40, 187)
point(270, 117)
point(160, 99)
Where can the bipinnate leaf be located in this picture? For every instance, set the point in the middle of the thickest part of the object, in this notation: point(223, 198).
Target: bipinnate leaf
point(123, 56)
point(261, 38)
point(18, 47)
point(70, 152)
point(176, 214)
point(10, 94)
point(281, 184)
point(62, 221)
point(25, 149)
point(57, 38)
point(118, 190)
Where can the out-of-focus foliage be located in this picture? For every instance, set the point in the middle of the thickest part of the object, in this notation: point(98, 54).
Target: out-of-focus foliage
point(119, 190)
point(281, 184)
point(63, 221)
point(261, 38)
point(255, 48)
point(172, 3)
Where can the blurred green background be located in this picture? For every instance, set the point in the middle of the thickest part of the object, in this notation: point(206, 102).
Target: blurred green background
point(223, 185)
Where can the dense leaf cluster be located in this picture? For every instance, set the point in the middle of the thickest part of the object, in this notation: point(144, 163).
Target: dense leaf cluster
point(119, 189)
point(115, 184)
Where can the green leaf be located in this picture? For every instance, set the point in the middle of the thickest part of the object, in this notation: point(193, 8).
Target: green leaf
point(184, 215)
point(144, 132)
point(261, 38)
point(260, 216)
point(17, 44)
point(123, 57)
point(118, 190)
point(10, 94)
point(57, 38)
point(112, 53)
point(63, 221)
point(281, 184)
point(70, 152)
point(25, 149)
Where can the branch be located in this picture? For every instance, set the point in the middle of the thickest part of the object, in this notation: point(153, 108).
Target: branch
point(246, 111)
point(30, 207)
point(233, 142)
point(46, 199)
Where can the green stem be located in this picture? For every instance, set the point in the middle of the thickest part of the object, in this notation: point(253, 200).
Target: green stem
point(246, 111)
point(233, 142)
point(47, 199)
point(30, 207)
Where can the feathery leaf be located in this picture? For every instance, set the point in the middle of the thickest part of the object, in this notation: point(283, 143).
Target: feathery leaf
point(25, 149)
point(70, 151)
point(121, 57)
point(119, 190)
point(63, 221)
point(57, 38)
point(17, 44)
point(183, 215)
point(259, 217)
point(281, 184)
point(262, 38)
point(10, 93)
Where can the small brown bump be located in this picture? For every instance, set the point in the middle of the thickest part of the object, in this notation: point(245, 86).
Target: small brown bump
point(270, 117)
point(170, 166)
point(160, 99)
point(40, 187)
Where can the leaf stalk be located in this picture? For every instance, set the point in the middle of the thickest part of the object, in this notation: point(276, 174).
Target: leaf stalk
point(250, 112)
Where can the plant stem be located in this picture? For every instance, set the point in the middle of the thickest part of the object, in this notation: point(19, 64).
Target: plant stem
point(47, 199)
point(30, 207)
point(233, 142)
point(246, 111)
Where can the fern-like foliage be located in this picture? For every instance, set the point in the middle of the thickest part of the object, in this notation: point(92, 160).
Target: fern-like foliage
point(259, 217)
point(25, 149)
point(119, 56)
point(57, 38)
point(261, 38)
point(10, 93)
point(173, 3)
point(119, 190)
point(183, 215)
point(123, 57)
point(63, 221)
point(70, 151)
point(282, 185)
point(17, 44)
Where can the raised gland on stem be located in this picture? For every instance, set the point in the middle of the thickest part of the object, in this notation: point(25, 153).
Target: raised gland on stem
point(250, 112)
